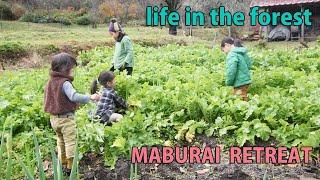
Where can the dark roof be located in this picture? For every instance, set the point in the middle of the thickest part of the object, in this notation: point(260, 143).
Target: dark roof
point(269, 3)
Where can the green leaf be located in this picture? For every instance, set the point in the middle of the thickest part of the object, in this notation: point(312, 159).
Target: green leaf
point(74, 171)
point(209, 132)
point(9, 168)
point(131, 171)
point(223, 131)
point(316, 120)
point(2, 146)
point(184, 129)
point(38, 157)
point(4, 104)
point(57, 168)
point(120, 142)
point(9, 155)
point(219, 120)
point(265, 176)
point(262, 131)
point(313, 139)
point(243, 138)
point(25, 169)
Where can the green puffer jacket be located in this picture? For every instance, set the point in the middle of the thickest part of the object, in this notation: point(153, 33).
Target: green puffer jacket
point(238, 67)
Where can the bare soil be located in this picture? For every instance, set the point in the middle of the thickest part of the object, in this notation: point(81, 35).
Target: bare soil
point(92, 167)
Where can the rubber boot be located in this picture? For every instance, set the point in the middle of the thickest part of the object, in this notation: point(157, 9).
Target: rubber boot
point(69, 163)
point(64, 161)
point(67, 169)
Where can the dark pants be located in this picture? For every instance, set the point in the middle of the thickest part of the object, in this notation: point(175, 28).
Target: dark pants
point(129, 69)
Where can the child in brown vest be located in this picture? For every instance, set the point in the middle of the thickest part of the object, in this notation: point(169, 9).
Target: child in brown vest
point(61, 100)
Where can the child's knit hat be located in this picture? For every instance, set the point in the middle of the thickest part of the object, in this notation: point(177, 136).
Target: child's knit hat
point(114, 26)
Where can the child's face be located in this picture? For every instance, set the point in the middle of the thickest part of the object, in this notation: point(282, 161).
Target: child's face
point(226, 48)
point(114, 35)
point(112, 84)
point(71, 72)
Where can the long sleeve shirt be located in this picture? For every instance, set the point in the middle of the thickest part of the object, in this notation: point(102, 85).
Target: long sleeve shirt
point(108, 103)
point(72, 94)
point(123, 53)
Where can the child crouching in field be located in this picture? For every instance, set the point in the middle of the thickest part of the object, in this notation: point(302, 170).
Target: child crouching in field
point(109, 100)
point(61, 100)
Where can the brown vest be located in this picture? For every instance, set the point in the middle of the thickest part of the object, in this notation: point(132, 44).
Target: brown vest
point(55, 101)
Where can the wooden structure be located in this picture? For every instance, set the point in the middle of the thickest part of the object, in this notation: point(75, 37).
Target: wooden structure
point(303, 31)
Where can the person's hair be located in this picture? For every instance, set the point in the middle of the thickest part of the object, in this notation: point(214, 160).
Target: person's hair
point(63, 63)
point(230, 40)
point(113, 20)
point(103, 79)
point(121, 35)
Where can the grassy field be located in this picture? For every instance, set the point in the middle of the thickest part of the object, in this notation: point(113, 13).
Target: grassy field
point(46, 34)
point(42, 35)
point(40, 41)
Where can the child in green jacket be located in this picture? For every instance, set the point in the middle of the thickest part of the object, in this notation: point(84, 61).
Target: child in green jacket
point(238, 66)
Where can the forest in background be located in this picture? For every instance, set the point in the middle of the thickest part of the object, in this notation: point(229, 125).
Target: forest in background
point(93, 12)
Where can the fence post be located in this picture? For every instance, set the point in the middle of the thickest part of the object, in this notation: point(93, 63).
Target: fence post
point(302, 26)
point(1, 20)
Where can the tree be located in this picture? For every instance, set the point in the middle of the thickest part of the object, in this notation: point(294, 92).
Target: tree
point(94, 13)
point(142, 4)
point(233, 6)
point(173, 5)
point(126, 5)
point(106, 11)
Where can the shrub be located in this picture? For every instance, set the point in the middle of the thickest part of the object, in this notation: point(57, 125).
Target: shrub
point(35, 17)
point(28, 17)
point(64, 21)
point(135, 23)
point(48, 49)
point(10, 52)
point(83, 20)
point(64, 18)
point(5, 11)
point(58, 15)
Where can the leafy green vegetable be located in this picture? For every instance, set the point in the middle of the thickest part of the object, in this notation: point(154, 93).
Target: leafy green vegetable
point(178, 92)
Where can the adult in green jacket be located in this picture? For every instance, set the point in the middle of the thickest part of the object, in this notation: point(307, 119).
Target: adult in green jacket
point(123, 54)
point(238, 65)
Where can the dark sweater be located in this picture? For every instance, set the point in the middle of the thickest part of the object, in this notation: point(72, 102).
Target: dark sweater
point(55, 100)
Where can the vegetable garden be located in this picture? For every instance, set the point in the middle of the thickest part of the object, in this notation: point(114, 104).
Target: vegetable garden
point(178, 93)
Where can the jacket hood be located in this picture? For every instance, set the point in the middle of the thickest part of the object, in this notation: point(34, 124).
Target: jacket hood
point(239, 50)
point(54, 74)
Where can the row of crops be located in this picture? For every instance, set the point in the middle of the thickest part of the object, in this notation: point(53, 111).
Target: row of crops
point(178, 92)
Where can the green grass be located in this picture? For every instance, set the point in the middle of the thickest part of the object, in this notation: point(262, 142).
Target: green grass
point(47, 39)
point(37, 36)
point(46, 34)
point(280, 45)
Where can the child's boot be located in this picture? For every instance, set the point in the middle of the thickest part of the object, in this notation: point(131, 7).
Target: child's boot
point(64, 161)
point(68, 167)
point(69, 163)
